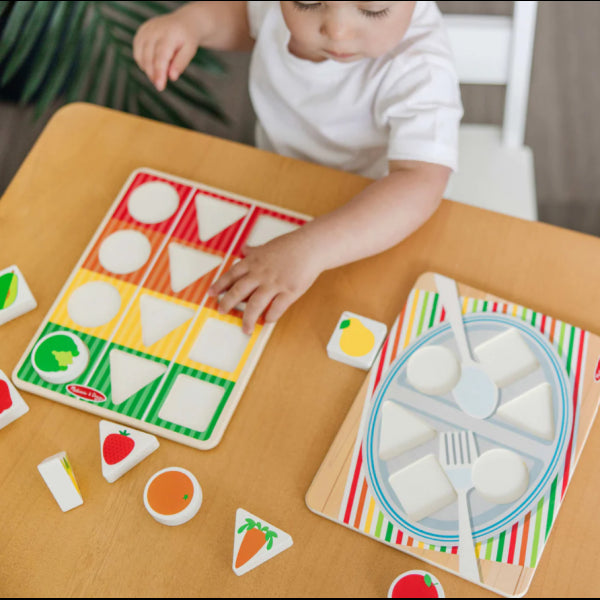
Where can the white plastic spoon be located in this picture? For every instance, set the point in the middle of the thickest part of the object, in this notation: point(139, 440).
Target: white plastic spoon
point(475, 392)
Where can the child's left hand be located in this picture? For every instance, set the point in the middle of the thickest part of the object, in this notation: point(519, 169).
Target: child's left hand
point(269, 277)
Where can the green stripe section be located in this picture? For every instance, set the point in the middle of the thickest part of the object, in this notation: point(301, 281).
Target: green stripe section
point(551, 502)
point(379, 524)
point(536, 532)
point(433, 310)
point(500, 549)
point(561, 339)
point(175, 372)
point(388, 532)
point(570, 353)
point(136, 405)
point(27, 372)
point(488, 548)
point(423, 313)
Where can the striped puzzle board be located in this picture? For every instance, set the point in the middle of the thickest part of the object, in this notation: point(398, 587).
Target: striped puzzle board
point(347, 488)
point(160, 357)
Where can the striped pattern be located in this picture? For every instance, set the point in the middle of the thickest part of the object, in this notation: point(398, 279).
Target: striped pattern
point(122, 212)
point(124, 331)
point(60, 315)
point(187, 229)
point(523, 542)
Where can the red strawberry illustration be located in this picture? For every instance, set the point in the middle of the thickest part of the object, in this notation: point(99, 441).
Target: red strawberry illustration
point(5, 399)
point(116, 447)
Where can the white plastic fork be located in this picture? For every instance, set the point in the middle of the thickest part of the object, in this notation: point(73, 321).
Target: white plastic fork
point(458, 452)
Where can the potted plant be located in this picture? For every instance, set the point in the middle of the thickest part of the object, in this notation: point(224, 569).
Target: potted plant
point(82, 51)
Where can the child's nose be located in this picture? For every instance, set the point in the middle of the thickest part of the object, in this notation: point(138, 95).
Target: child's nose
point(334, 28)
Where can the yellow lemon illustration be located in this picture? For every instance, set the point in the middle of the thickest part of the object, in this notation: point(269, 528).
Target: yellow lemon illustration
point(356, 339)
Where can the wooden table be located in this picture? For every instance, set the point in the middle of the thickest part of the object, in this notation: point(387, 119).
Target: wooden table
point(294, 404)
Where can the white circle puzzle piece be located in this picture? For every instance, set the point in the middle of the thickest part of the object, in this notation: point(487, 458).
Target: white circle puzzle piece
point(500, 476)
point(60, 357)
point(124, 252)
point(153, 202)
point(94, 304)
point(433, 370)
point(173, 496)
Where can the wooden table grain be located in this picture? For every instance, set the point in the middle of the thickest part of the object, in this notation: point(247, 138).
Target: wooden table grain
point(294, 404)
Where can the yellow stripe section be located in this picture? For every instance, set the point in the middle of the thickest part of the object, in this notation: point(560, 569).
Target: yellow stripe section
point(130, 333)
point(204, 316)
point(370, 513)
point(61, 316)
point(411, 319)
point(465, 306)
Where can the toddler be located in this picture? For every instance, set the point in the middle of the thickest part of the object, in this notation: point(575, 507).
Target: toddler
point(367, 87)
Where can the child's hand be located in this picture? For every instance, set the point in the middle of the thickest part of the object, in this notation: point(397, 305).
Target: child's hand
point(164, 46)
point(274, 274)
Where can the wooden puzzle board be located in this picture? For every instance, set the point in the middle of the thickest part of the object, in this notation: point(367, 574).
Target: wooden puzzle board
point(347, 488)
point(165, 361)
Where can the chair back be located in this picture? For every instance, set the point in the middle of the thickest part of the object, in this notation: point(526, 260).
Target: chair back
point(493, 49)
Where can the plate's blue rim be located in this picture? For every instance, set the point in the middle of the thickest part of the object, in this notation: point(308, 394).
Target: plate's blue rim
point(369, 450)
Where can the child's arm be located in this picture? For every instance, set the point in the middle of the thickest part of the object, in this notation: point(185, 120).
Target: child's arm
point(164, 46)
point(381, 216)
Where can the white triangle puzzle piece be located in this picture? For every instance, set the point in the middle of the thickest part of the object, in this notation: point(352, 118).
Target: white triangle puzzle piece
point(401, 430)
point(532, 411)
point(255, 542)
point(268, 228)
point(122, 448)
point(214, 216)
point(188, 265)
point(130, 373)
point(161, 317)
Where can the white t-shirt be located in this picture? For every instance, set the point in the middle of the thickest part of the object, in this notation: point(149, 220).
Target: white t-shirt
point(356, 116)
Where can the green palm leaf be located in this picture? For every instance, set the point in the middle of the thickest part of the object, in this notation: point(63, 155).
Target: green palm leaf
point(26, 41)
point(71, 51)
point(17, 17)
point(4, 4)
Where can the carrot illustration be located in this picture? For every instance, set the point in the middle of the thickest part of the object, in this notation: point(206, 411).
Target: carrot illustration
point(254, 539)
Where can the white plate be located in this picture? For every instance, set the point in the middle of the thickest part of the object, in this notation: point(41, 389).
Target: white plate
point(543, 458)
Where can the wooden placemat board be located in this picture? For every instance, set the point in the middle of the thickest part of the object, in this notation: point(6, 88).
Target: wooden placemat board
point(507, 561)
point(172, 354)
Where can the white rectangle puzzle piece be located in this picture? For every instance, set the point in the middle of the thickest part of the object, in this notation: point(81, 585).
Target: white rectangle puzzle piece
point(58, 474)
point(16, 298)
point(12, 405)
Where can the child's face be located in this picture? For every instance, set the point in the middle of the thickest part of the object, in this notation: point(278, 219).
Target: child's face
point(345, 31)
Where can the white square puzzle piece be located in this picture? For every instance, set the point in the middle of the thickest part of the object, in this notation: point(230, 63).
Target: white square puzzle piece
point(58, 474)
point(16, 298)
point(122, 448)
point(12, 405)
point(356, 340)
point(506, 357)
point(422, 488)
point(219, 345)
point(191, 402)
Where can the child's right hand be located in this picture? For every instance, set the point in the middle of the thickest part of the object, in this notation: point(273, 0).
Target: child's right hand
point(164, 46)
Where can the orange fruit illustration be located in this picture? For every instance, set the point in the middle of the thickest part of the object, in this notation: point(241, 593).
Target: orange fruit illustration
point(170, 492)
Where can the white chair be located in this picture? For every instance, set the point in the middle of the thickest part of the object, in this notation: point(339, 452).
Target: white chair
point(496, 169)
